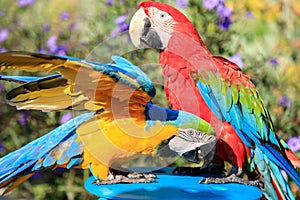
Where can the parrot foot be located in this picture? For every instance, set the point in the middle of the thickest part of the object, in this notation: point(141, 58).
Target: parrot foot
point(232, 179)
point(130, 178)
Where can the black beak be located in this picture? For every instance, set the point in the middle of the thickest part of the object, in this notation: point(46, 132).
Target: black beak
point(150, 37)
point(192, 156)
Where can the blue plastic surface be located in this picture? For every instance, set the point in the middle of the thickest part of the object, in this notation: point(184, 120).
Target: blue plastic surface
point(174, 187)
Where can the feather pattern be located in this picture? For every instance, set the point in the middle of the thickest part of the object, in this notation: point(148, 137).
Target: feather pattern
point(126, 124)
point(252, 121)
point(76, 85)
point(227, 97)
point(42, 152)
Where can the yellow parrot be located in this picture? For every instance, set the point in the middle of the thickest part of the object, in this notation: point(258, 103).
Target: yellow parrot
point(116, 120)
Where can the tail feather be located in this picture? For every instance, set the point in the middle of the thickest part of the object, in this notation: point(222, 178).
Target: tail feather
point(279, 183)
point(42, 153)
point(275, 186)
point(293, 158)
point(282, 162)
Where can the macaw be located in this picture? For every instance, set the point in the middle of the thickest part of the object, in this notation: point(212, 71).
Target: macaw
point(119, 121)
point(216, 90)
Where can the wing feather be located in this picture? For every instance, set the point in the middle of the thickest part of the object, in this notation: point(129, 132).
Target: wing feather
point(81, 85)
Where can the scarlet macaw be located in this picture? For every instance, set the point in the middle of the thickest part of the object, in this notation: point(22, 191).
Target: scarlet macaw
point(120, 122)
point(216, 90)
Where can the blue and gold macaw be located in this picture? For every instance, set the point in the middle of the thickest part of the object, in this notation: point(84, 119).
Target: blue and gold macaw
point(119, 121)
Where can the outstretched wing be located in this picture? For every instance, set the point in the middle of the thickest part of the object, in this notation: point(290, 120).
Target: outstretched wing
point(81, 85)
point(57, 148)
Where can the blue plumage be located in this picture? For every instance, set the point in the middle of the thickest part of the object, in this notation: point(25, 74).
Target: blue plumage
point(253, 125)
point(30, 156)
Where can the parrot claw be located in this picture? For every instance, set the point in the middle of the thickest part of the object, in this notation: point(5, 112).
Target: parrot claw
point(130, 178)
point(232, 179)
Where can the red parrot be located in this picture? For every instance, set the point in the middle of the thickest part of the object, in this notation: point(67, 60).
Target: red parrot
point(216, 90)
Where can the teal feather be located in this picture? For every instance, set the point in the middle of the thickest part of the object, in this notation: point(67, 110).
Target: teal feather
point(74, 162)
point(253, 124)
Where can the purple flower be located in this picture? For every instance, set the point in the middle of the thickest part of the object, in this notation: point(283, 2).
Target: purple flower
point(72, 26)
point(42, 50)
point(122, 26)
point(23, 118)
point(109, 2)
point(249, 14)
point(210, 4)
point(61, 50)
point(294, 143)
point(237, 60)
point(182, 3)
point(120, 20)
point(273, 62)
point(23, 3)
point(3, 49)
point(46, 27)
point(66, 117)
point(51, 43)
point(284, 101)
point(223, 11)
point(3, 35)
point(2, 12)
point(224, 23)
point(65, 16)
point(115, 32)
point(2, 87)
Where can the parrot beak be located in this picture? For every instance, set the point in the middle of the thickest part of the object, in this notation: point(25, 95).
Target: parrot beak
point(142, 32)
point(194, 149)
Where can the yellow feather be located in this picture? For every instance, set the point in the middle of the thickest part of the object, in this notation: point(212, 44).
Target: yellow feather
point(109, 141)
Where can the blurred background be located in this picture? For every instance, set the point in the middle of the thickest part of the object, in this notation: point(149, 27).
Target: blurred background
point(261, 36)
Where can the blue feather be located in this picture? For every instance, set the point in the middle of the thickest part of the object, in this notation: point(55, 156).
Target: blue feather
point(279, 160)
point(49, 160)
point(74, 162)
point(28, 157)
point(209, 99)
point(125, 67)
point(64, 158)
point(37, 166)
point(236, 116)
point(16, 171)
point(75, 148)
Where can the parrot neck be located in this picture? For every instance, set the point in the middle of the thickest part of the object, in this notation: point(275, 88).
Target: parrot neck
point(180, 60)
point(187, 50)
point(180, 88)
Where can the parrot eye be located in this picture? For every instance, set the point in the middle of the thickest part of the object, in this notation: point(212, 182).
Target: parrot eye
point(162, 15)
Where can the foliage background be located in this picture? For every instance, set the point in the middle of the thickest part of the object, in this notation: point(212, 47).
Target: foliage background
point(262, 36)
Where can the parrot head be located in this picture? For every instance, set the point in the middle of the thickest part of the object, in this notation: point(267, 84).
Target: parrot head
point(191, 144)
point(155, 23)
